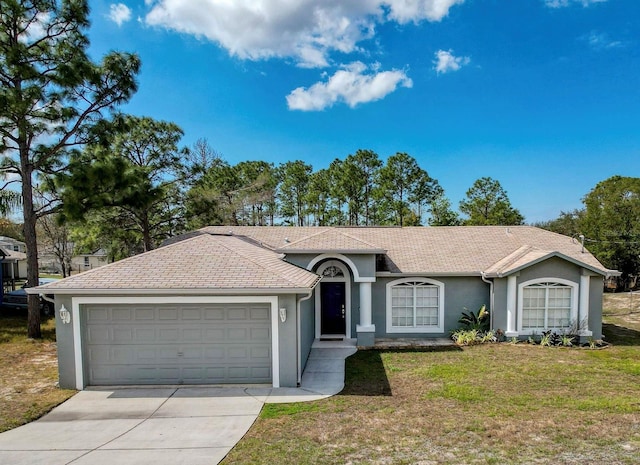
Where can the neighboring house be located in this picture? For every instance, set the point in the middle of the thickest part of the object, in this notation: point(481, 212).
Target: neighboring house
point(14, 263)
point(245, 304)
point(84, 262)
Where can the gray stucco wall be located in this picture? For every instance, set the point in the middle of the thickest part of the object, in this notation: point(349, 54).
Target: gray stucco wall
point(459, 293)
point(64, 342)
point(499, 311)
point(307, 329)
point(596, 289)
point(288, 342)
point(554, 267)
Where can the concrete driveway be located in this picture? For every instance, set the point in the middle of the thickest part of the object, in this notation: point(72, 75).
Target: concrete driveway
point(136, 426)
point(161, 426)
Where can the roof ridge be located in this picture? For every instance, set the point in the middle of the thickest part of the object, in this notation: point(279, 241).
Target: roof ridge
point(256, 262)
point(323, 230)
point(373, 246)
point(514, 256)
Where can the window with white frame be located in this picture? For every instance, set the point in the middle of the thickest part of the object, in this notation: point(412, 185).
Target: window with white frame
point(547, 305)
point(415, 305)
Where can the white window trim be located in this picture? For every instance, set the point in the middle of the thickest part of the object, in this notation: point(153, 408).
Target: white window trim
point(77, 302)
point(574, 303)
point(420, 329)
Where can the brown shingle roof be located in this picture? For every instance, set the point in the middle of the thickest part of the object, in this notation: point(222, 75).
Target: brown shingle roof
point(427, 250)
point(331, 239)
point(204, 263)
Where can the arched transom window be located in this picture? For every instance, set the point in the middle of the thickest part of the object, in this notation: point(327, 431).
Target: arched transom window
point(547, 305)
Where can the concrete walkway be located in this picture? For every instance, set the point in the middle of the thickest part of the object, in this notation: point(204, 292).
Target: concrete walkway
point(162, 425)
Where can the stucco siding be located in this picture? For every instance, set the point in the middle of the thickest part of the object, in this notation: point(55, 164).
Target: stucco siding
point(65, 345)
point(287, 342)
point(307, 329)
point(551, 268)
point(499, 310)
point(596, 290)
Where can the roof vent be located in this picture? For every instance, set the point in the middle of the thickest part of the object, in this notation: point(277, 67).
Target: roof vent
point(230, 233)
point(286, 239)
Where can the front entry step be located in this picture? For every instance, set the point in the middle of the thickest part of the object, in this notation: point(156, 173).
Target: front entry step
point(334, 343)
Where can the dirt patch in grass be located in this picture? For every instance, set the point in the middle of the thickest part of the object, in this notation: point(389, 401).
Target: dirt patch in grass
point(621, 318)
point(28, 373)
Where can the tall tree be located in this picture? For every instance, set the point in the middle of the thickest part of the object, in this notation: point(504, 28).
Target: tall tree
point(138, 172)
point(51, 95)
point(487, 204)
point(319, 199)
point(442, 214)
point(257, 193)
point(294, 183)
point(611, 223)
point(356, 181)
point(401, 183)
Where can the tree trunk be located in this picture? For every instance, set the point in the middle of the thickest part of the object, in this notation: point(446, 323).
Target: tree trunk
point(146, 232)
point(29, 215)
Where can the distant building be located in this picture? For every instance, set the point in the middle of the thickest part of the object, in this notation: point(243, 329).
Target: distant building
point(84, 262)
point(14, 261)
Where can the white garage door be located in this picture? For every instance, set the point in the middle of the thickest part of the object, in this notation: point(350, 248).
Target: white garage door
point(177, 344)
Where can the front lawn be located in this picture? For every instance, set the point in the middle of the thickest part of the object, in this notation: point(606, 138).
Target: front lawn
point(499, 403)
point(28, 371)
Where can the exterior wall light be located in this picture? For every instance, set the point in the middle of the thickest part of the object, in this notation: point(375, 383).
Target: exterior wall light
point(283, 314)
point(65, 315)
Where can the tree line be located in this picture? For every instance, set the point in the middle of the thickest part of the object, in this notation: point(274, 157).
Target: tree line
point(137, 187)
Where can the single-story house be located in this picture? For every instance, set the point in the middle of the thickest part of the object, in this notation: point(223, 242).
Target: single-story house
point(245, 304)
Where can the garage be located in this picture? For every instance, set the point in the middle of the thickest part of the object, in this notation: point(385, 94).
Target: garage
point(177, 344)
point(208, 309)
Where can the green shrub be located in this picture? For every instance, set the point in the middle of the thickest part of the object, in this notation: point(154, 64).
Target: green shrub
point(478, 321)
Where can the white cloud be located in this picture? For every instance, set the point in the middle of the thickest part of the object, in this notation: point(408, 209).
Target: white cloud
point(37, 29)
point(119, 13)
point(566, 3)
point(602, 41)
point(354, 84)
point(307, 30)
point(445, 61)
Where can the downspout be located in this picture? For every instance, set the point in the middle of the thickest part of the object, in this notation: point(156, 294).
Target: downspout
point(491, 298)
point(298, 342)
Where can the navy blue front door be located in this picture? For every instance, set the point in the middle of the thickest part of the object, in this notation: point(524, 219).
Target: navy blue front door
point(333, 310)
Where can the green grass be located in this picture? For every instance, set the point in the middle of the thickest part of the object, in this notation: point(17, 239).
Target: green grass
point(497, 403)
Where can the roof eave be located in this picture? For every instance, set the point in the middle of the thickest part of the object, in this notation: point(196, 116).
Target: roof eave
point(404, 274)
point(328, 251)
point(170, 291)
point(584, 265)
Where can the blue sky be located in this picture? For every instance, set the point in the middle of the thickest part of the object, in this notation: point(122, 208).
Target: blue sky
point(542, 95)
